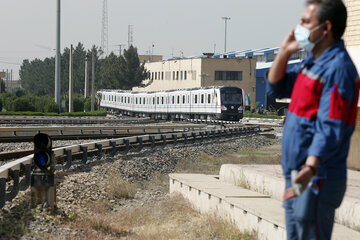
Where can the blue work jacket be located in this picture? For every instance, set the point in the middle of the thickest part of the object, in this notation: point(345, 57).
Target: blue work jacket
point(322, 113)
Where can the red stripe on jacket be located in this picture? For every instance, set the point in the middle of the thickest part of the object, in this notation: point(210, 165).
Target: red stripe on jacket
point(305, 97)
point(353, 107)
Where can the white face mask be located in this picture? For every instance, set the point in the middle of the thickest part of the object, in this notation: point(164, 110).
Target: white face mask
point(302, 37)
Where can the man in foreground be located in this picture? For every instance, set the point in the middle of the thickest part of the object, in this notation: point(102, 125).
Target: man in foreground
point(324, 92)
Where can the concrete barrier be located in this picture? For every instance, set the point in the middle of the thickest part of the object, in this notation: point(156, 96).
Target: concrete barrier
point(267, 179)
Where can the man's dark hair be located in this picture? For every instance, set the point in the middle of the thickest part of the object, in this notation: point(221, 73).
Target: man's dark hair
point(335, 12)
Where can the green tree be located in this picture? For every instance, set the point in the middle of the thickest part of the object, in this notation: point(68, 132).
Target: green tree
point(2, 83)
point(133, 73)
point(109, 71)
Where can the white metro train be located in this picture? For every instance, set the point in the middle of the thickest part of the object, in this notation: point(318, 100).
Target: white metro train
point(216, 102)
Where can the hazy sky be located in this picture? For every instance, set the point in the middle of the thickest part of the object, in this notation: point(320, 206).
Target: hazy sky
point(189, 26)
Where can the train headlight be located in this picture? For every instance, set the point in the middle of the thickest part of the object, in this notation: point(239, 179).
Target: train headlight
point(42, 151)
point(223, 108)
point(240, 109)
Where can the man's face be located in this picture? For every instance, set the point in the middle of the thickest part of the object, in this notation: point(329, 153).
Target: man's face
point(309, 21)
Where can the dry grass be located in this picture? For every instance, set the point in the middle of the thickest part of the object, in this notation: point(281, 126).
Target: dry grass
point(170, 219)
point(116, 187)
point(207, 164)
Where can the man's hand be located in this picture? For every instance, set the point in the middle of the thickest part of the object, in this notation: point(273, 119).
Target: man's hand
point(306, 172)
point(278, 68)
point(289, 45)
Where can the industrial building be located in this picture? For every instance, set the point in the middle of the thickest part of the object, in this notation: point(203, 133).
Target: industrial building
point(201, 71)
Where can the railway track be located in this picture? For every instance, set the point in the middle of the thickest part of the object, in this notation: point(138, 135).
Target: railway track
point(15, 175)
point(11, 120)
point(21, 134)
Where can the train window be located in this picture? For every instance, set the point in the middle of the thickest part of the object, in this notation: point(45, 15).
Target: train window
point(183, 99)
point(185, 72)
point(209, 98)
point(178, 99)
point(136, 100)
point(202, 98)
point(195, 98)
point(162, 100)
point(144, 100)
point(153, 102)
point(157, 100)
point(188, 100)
point(128, 99)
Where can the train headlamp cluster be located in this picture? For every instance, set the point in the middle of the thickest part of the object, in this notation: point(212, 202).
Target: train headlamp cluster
point(42, 151)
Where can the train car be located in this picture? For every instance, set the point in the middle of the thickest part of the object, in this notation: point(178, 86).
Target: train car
point(224, 103)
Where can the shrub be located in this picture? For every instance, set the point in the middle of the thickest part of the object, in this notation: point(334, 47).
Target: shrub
point(23, 104)
point(79, 103)
point(51, 107)
point(8, 101)
point(87, 104)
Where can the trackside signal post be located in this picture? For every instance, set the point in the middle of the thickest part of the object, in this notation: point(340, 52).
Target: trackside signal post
point(43, 190)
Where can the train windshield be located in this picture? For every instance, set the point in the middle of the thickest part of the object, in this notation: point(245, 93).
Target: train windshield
point(231, 97)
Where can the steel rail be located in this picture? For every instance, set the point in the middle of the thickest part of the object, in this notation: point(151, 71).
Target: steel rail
point(77, 132)
point(70, 120)
point(17, 173)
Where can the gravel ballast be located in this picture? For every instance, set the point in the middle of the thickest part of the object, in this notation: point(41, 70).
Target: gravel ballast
point(82, 185)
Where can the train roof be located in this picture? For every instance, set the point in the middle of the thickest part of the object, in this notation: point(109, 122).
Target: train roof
point(164, 91)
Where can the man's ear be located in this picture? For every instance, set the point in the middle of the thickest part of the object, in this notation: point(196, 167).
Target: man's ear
point(327, 26)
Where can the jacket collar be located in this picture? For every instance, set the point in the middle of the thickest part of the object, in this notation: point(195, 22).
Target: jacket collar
point(328, 54)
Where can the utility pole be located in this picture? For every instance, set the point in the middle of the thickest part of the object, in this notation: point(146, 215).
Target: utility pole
point(225, 19)
point(130, 36)
point(7, 80)
point(120, 48)
point(104, 29)
point(93, 81)
point(11, 80)
point(71, 80)
point(58, 56)
point(86, 90)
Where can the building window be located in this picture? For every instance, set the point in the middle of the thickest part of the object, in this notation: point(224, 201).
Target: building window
point(155, 75)
point(162, 75)
point(177, 75)
point(185, 75)
point(181, 75)
point(152, 76)
point(174, 75)
point(228, 75)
